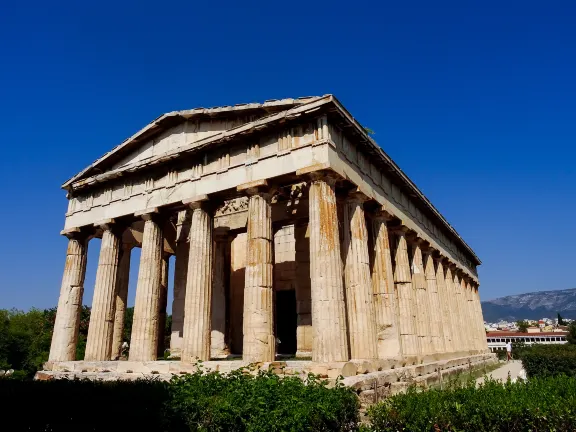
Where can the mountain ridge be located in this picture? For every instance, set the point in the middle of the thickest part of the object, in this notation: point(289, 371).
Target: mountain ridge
point(533, 305)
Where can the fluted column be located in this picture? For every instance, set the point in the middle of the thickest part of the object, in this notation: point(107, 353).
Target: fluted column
point(483, 344)
point(65, 335)
point(163, 303)
point(329, 340)
point(467, 319)
point(422, 304)
point(405, 296)
point(101, 327)
point(435, 307)
point(460, 322)
point(385, 306)
point(444, 298)
point(121, 300)
point(475, 325)
point(258, 341)
point(198, 306)
point(144, 339)
point(454, 322)
point(219, 343)
point(359, 297)
point(180, 279)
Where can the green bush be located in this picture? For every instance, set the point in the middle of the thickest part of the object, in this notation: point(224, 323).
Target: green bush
point(198, 402)
point(550, 360)
point(264, 402)
point(538, 405)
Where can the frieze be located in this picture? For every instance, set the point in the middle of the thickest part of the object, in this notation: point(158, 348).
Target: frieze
point(231, 206)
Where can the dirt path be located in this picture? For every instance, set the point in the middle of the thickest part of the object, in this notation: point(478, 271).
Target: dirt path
point(513, 367)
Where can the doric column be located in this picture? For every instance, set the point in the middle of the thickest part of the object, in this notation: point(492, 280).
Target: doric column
point(444, 298)
point(121, 300)
point(258, 341)
point(474, 319)
point(144, 339)
point(467, 319)
point(219, 343)
point(405, 296)
point(435, 307)
point(101, 327)
point(304, 331)
point(483, 343)
point(359, 295)
point(198, 306)
point(180, 278)
point(65, 335)
point(330, 341)
point(459, 300)
point(163, 303)
point(454, 322)
point(385, 306)
point(421, 295)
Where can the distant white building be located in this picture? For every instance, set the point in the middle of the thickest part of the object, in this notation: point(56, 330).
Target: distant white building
point(497, 340)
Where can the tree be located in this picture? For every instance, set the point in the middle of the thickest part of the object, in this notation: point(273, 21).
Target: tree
point(523, 326)
point(561, 320)
point(571, 336)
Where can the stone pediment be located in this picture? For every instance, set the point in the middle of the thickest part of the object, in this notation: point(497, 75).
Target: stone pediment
point(179, 129)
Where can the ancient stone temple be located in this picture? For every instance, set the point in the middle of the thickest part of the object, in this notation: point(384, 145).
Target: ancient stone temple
point(294, 235)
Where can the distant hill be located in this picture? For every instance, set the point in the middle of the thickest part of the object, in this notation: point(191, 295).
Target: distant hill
point(534, 305)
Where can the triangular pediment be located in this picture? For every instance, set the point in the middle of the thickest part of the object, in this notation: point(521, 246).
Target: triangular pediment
point(181, 129)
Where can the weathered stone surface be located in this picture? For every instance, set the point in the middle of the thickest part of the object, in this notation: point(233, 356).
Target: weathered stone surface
point(144, 340)
point(359, 292)
point(196, 344)
point(162, 303)
point(454, 318)
point(180, 280)
point(412, 318)
point(121, 300)
point(259, 343)
point(330, 342)
point(422, 302)
point(405, 296)
point(101, 327)
point(444, 309)
point(65, 336)
point(385, 305)
point(435, 306)
point(219, 344)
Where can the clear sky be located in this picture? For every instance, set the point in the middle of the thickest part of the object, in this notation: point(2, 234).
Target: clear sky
point(475, 100)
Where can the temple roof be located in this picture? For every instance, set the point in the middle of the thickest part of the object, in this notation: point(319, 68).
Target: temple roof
point(171, 119)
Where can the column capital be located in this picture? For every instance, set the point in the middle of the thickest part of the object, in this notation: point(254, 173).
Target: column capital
point(183, 221)
point(198, 202)
point(401, 230)
point(257, 187)
point(416, 240)
point(321, 172)
point(382, 213)
point(356, 195)
point(112, 225)
point(75, 233)
point(148, 214)
point(438, 257)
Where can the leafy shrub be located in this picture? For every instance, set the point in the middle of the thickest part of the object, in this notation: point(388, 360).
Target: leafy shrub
point(265, 402)
point(549, 360)
point(198, 402)
point(541, 404)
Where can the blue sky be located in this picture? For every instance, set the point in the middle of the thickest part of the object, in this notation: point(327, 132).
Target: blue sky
point(474, 100)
